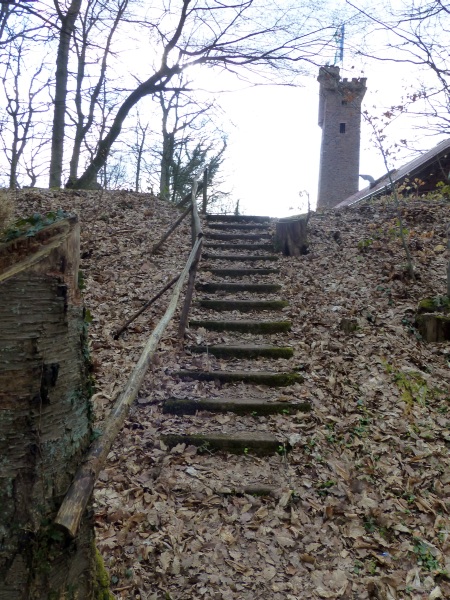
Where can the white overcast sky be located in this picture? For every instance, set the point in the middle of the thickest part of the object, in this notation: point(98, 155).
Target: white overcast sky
point(274, 145)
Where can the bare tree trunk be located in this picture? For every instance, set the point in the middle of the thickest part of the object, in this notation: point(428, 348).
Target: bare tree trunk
point(140, 152)
point(151, 86)
point(167, 152)
point(45, 424)
point(84, 124)
point(65, 33)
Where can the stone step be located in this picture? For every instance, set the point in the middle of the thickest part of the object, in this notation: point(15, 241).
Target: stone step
point(239, 226)
point(256, 246)
point(269, 378)
point(239, 406)
point(244, 351)
point(248, 326)
point(242, 305)
point(238, 236)
point(254, 288)
point(238, 218)
point(240, 257)
point(241, 442)
point(245, 272)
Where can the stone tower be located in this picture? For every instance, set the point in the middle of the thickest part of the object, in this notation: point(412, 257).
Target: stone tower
point(340, 120)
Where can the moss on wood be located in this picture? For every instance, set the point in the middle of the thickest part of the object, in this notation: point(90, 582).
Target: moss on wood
point(243, 305)
point(238, 406)
point(262, 327)
point(254, 288)
point(247, 351)
point(247, 272)
point(241, 257)
point(268, 378)
point(260, 444)
point(432, 305)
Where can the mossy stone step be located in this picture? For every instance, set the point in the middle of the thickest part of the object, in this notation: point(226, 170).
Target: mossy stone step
point(249, 272)
point(238, 236)
point(238, 218)
point(255, 246)
point(248, 326)
point(252, 407)
point(239, 406)
point(239, 226)
point(240, 257)
point(242, 305)
point(269, 378)
point(254, 288)
point(253, 442)
point(245, 351)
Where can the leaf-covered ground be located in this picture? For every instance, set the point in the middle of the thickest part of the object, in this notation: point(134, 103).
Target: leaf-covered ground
point(359, 508)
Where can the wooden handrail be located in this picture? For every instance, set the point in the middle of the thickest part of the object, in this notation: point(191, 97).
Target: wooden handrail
point(75, 502)
point(205, 191)
point(196, 223)
point(197, 235)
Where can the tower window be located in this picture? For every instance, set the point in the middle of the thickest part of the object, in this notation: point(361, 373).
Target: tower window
point(344, 102)
point(341, 127)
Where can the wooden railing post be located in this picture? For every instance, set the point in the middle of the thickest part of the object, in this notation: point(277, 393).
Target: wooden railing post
point(205, 191)
point(197, 235)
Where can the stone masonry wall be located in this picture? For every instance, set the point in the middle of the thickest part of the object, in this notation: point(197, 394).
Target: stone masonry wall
point(340, 119)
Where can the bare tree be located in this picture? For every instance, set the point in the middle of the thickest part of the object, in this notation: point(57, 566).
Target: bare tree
point(418, 35)
point(21, 105)
point(92, 23)
point(182, 118)
point(66, 28)
point(138, 148)
point(222, 36)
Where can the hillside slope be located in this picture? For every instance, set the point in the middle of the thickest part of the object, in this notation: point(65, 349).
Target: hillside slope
point(359, 507)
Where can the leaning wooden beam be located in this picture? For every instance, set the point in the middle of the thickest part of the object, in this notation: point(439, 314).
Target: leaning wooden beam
point(171, 230)
point(145, 306)
point(76, 499)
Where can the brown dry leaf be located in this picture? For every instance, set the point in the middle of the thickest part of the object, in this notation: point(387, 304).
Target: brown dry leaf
point(369, 467)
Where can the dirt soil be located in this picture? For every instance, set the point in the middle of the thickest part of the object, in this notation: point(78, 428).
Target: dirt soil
point(359, 508)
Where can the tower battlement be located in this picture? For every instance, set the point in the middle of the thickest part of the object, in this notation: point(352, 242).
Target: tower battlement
point(340, 119)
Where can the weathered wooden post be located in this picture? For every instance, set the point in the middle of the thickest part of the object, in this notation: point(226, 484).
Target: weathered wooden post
point(448, 259)
point(205, 191)
point(45, 415)
point(291, 235)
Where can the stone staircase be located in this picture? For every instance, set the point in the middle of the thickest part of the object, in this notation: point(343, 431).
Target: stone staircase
point(239, 357)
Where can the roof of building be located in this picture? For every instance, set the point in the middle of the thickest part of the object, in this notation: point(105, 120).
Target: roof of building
point(411, 169)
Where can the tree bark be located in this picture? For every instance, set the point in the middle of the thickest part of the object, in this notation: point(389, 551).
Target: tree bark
point(291, 235)
point(65, 33)
point(45, 415)
point(168, 139)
